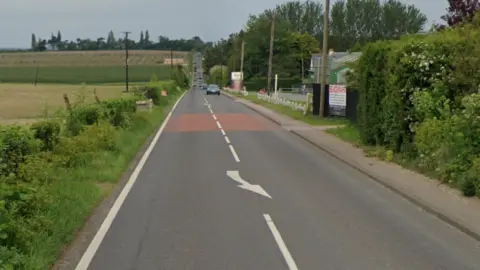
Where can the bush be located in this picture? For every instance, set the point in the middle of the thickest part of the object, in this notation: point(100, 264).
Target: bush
point(78, 150)
point(48, 132)
point(119, 112)
point(16, 143)
point(419, 96)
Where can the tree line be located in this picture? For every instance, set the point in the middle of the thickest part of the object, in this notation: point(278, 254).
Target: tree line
point(299, 33)
point(111, 42)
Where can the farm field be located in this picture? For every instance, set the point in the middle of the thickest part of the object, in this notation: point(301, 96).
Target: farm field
point(75, 67)
point(23, 103)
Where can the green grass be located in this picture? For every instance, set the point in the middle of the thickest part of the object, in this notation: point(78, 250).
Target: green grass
point(347, 133)
point(309, 119)
point(77, 191)
point(78, 75)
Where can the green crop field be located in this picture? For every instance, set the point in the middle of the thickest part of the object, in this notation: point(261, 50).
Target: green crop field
point(91, 67)
point(78, 75)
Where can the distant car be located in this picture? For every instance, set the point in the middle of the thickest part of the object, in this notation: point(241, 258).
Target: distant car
point(213, 90)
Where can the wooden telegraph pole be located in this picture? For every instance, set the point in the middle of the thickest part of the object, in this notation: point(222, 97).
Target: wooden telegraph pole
point(270, 56)
point(324, 57)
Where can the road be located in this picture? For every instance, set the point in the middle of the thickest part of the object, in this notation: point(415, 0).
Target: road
point(224, 188)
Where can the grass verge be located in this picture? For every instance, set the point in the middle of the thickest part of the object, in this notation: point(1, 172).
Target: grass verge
point(59, 197)
point(309, 119)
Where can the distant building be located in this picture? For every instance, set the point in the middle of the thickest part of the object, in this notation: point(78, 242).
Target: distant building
point(337, 65)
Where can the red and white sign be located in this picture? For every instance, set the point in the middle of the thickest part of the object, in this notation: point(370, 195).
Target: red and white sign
point(337, 95)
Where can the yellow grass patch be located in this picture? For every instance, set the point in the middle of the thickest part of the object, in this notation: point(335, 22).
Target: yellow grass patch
point(22, 102)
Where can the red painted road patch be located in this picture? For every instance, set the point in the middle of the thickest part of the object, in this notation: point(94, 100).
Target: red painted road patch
point(228, 121)
point(191, 123)
point(244, 122)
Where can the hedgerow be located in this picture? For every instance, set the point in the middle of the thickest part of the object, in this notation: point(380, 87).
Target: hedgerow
point(418, 96)
point(50, 173)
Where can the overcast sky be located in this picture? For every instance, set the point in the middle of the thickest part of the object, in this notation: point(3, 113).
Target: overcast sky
point(209, 19)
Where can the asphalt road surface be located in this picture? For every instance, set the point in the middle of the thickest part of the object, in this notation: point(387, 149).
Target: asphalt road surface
point(226, 189)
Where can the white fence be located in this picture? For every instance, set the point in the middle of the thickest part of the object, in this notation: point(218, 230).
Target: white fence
point(234, 91)
point(296, 106)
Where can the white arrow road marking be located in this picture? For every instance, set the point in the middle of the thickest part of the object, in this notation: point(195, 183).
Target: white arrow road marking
point(235, 175)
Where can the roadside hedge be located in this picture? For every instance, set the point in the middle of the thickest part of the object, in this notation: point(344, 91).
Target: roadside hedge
point(418, 96)
point(53, 173)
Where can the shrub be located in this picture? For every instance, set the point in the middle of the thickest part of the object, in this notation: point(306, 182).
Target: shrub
point(48, 132)
point(79, 150)
point(81, 116)
point(118, 112)
point(16, 143)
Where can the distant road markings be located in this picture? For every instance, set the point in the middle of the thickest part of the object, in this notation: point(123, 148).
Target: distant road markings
point(281, 244)
point(235, 156)
point(234, 153)
point(102, 231)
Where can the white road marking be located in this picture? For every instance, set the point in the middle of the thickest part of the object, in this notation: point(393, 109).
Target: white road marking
point(235, 176)
point(227, 140)
point(214, 117)
point(235, 156)
point(281, 245)
point(97, 240)
point(218, 125)
point(210, 111)
point(223, 132)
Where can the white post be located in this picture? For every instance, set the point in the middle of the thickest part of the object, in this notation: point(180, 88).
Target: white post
point(276, 84)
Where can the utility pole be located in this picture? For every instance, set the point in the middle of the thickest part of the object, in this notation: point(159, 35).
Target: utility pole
point(126, 59)
point(324, 57)
point(270, 56)
point(221, 67)
point(171, 63)
point(241, 64)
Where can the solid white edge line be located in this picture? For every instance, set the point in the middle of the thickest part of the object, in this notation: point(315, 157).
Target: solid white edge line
point(102, 231)
point(227, 140)
point(218, 125)
point(235, 156)
point(214, 117)
point(281, 244)
point(223, 132)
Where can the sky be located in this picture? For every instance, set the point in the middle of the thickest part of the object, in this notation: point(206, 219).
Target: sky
point(210, 19)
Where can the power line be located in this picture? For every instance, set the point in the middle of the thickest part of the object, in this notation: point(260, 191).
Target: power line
point(126, 59)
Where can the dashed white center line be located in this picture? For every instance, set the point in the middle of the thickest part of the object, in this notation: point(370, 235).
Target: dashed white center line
point(214, 117)
point(223, 132)
point(235, 156)
point(210, 111)
point(218, 125)
point(227, 140)
point(281, 244)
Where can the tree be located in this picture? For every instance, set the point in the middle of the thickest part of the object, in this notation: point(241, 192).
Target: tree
point(111, 42)
point(142, 41)
point(303, 46)
point(33, 45)
point(147, 39)
point(460, 11)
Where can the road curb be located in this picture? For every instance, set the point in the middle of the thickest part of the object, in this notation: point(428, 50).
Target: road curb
point(465, 229)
